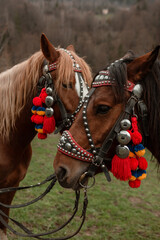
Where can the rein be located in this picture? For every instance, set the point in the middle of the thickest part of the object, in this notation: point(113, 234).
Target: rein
point(29, 233)
point(97, 156)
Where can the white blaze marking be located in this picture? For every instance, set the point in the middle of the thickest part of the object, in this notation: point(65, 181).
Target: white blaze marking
point(77, 85)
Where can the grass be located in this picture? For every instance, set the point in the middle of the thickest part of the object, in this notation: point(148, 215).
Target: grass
point(115, 211)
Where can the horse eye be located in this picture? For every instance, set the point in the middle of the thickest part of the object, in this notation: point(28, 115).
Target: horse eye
point(67, 86)
point(102, 109)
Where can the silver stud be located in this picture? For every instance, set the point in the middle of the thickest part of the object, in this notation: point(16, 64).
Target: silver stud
point(49, 101)
point(74, 150)
point(123, 137)
point(125, 124)
point(68, 146)
point(49, 112)
point(122, 151)
point(49, 91)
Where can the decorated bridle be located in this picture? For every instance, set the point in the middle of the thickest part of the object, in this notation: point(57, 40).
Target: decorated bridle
point(128, 163)
point(43, 113)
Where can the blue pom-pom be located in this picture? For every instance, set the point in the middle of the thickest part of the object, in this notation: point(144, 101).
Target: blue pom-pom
point(140, 172)
point(138, 147)
point(38, 126)
point(41, 109)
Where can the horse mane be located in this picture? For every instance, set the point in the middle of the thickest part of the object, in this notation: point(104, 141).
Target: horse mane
point(151, 87)
point(19, 83)
point(64, 74)
point(16, 86)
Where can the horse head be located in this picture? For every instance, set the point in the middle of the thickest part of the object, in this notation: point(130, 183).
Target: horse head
point(116, 95)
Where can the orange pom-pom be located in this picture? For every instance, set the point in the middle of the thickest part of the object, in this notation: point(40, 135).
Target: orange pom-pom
point(143, 164)
point(133, 163)
point(37, 101)
point(49, 124)
point(121, 168)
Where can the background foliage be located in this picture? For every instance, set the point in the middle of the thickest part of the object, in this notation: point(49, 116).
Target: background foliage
point(129, 24)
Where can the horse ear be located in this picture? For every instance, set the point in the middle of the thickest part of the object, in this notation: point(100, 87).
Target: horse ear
point(129, 55)
point(140, 66)
point(71, 48)
point(48, 50)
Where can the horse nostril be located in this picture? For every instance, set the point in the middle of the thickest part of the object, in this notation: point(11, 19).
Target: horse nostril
point(62, 173)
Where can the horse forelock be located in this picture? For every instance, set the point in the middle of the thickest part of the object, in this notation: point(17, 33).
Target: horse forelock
point(17, 85)
point(65, 71)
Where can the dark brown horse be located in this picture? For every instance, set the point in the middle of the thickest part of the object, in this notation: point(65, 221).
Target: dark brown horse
point(113, 95)
point(18, 87)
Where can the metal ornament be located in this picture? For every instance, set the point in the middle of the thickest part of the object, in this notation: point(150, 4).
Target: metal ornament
point(68, 146)
point(125, 124)
point(49, 91)
point(49, 101)
point(122, 151)
point(49, 112)
point(137, 90)
point(123, 137)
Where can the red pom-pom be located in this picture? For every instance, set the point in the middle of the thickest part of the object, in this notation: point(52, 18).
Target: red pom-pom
point(133, 163)
point(43, 95)
point(136, 137)
point(33, 117)
point(121, 168)
point(142, 163)
point(49, 124)
point(37, 101)
point(42, 135)
point(135, 184)
point(38, 119)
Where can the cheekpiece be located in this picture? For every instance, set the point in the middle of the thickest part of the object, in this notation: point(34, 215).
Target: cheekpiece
point(68, 146)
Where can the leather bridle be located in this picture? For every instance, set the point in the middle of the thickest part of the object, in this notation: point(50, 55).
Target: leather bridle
point(97, 156)
point(47, 82)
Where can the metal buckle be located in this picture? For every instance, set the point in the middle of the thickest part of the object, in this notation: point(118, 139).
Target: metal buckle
point(83, 177)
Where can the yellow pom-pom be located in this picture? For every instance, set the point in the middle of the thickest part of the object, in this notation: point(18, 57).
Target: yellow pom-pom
point(131, 154)
point(41, 113)
point(40, 130)
point(144, 175)
point(132, 178)
point(140, 153)
point(34, 111)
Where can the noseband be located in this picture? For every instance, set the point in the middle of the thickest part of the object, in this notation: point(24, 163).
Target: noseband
point(53, 98)
point(97, 156)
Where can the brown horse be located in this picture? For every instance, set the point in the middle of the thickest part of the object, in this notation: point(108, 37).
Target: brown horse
point(18, 88)
point(90, 144)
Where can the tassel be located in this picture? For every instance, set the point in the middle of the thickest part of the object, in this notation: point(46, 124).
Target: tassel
point(43, 95)
point(121, 168)
point(49, 124)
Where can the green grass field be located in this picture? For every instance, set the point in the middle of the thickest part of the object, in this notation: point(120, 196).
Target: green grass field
point(115, 211)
